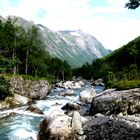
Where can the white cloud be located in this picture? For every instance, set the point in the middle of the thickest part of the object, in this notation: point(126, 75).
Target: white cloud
point(105, 23)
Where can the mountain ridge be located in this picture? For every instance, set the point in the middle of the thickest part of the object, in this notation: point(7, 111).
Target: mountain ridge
point(74, 46)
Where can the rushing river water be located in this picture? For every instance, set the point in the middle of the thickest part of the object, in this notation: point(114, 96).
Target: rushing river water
point(25, 125)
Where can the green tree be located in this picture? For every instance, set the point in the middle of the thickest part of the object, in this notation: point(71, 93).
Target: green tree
point(132, 4)
point(4, 88)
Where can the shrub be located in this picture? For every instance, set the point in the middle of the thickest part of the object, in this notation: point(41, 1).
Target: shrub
point(122, 85)
point(4, 87)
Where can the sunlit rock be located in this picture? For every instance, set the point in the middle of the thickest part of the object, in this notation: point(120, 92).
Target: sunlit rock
point(87, 95)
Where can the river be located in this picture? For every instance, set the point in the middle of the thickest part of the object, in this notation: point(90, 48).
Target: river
point(24, 125)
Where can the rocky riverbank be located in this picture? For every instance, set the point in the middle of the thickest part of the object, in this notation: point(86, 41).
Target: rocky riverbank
point(73, 110)
point(113, 115)
point(120, 118)
point(23, 92)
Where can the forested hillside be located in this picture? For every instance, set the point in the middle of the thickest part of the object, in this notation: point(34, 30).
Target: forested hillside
point(74, 46)
point(122, 64)
point(22, 52)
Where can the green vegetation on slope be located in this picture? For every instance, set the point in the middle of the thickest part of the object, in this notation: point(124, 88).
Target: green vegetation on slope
point(122, 64)
point(22, 52)
point(4, 87)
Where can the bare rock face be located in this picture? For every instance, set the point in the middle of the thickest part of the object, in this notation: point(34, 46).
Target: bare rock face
point(87, 95)
point(102, 127)
point(116, 102)
point(32, 89)
point(58, 126)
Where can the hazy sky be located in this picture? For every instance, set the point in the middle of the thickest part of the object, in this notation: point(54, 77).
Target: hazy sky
point(107, 20)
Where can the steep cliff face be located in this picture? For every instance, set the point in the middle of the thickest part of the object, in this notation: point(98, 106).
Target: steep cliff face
point(76, 47)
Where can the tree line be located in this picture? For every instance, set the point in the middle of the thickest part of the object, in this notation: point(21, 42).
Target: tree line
point(122, 64)
point(22, 52)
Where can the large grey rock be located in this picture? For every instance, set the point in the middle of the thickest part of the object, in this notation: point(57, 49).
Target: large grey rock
point(32, 89)
point(116, 102)
point(58, 126)
point(87, 95)
point(102, 127)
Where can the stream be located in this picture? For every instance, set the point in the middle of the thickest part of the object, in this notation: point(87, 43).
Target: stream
point(24, 125)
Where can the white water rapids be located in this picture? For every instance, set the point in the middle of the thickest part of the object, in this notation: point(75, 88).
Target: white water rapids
point(25, 125)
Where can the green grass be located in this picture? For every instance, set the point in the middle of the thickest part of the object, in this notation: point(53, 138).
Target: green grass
point(124, 84)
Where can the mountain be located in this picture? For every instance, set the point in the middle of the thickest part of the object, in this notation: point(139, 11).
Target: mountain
point(121, 64)
point(76, 47)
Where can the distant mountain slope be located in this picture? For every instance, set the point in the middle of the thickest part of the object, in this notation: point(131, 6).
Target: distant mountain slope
point(76, 47)
point(121, 64)
point(125, 56)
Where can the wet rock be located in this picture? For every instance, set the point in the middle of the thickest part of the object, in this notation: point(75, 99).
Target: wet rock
point(17, 100)
point(56, 104)
point(68, 93)
point(32, 89)
point(98, 82)
point(34, 110)
point(8, 115)
point(78, 84)
point(87, 95)
point(68, 84)
point(111, 128)
point(116, 102)
point(59, 85)
point(58, 126)
point(71, 106)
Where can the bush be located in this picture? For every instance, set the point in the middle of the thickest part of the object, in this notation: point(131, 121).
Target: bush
point(4, 88)
point(122, 85)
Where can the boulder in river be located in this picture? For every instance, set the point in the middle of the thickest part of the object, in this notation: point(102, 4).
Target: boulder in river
point(58, 126)
point(68, 93)
point(17, 100)
point(68, 84)
point(35, 110)
point(87, 95)
point(98, 82)
point(102, 127)
point(71, 106)
point(116, 102)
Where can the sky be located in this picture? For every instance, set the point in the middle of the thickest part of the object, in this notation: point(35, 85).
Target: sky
point(107, 20)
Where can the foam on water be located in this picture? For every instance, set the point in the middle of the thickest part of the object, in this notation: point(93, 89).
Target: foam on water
point(25, 124)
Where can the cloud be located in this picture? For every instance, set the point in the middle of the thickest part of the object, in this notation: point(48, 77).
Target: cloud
point(107, 20)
